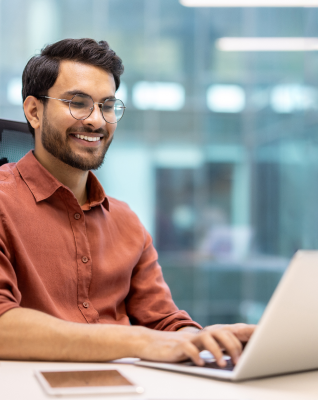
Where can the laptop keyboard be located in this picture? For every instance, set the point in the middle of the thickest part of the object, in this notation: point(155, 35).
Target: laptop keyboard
point(212, 364)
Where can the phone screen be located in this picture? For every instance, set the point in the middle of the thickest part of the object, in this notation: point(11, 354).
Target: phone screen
point(96, 378)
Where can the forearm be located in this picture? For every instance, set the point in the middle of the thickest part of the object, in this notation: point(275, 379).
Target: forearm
point(27, 334)
point(191, 329)
point(32, 335)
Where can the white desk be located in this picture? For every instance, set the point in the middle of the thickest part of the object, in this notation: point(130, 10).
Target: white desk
point(17, 382)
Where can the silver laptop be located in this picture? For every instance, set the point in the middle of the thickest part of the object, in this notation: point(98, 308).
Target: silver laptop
point(286, 338)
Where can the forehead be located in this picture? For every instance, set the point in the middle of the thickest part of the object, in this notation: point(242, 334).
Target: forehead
point(84, 77)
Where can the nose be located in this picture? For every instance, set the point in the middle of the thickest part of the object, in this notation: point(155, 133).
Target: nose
point(95, 120)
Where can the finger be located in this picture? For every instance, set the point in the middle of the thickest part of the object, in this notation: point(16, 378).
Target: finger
point(192, 351)
point(242, 331)
point(230, 343)
point(205, 341)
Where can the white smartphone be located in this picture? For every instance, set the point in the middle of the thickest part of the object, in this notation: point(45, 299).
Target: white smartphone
point(59, 382)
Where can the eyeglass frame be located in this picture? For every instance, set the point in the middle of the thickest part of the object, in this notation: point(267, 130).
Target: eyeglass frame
point(92, 109)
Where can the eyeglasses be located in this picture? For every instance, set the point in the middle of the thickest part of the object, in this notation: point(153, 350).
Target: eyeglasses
point(82, 105)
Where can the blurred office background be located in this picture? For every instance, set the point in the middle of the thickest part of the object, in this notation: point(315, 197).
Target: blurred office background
point(218, 149)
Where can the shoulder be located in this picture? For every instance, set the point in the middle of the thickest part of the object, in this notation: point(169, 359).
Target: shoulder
point(118, 205)
point(13, 191)
point(120, 208)
point(124, 216)
point(8, 176)
point(9, 192)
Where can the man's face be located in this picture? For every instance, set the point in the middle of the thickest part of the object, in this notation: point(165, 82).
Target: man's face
point(59, 129)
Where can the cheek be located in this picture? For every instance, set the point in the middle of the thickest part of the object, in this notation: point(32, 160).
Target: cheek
point(111, 129)
point(60, 118)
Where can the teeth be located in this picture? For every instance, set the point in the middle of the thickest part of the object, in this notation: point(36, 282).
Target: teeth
point(88, 138)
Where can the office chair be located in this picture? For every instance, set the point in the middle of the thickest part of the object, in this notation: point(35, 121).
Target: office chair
point(15, 140)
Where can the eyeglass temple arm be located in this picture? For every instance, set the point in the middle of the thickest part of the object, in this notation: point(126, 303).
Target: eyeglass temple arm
point(69, 101)
point(55, 98)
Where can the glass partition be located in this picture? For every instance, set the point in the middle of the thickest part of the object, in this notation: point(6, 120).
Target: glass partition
point(217, 152)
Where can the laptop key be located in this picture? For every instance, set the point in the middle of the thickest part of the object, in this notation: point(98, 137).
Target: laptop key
point(212, 364)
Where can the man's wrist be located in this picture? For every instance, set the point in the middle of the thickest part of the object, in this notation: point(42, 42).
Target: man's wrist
point(189, 328)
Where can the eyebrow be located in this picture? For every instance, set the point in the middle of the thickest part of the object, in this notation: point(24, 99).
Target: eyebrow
point(74, 92)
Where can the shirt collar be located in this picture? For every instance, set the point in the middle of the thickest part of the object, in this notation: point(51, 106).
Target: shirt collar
point(42, 184)
point(95, 193)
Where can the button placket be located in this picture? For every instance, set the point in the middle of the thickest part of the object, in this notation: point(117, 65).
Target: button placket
point(77, 220)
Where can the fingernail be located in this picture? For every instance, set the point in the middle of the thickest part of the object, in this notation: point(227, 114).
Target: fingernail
point(222, 363)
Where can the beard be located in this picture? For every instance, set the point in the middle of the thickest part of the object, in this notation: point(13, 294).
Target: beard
point(58, 145)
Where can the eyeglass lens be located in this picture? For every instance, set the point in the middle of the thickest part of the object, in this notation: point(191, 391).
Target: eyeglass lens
point(81, 107)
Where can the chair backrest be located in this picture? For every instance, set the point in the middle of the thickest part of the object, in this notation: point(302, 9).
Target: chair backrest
point(15, 140)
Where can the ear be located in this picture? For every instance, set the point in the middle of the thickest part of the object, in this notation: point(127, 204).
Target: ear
point(33, 109)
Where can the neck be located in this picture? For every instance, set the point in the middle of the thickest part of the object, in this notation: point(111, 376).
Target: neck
point(75, 179)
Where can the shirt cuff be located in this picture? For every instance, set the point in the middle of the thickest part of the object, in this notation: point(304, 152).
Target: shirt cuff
point(183, 324)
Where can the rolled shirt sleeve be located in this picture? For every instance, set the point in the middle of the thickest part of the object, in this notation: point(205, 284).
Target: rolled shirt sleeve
point(10, 296)
point(149, 302)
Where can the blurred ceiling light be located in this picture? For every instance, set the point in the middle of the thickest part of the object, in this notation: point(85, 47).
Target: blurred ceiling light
point(226, 98)
point(14, 89)
point(165, 96)
point(249, 3)
point(267, 44)
point(291, 98)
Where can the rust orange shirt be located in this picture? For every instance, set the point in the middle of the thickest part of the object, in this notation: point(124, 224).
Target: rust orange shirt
point(93, 264)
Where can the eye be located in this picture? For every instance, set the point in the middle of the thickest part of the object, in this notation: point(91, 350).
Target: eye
point(79, 104)
point(107, 107)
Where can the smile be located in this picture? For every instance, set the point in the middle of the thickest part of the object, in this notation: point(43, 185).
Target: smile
point(88, 138)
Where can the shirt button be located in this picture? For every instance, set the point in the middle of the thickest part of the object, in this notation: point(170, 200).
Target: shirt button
point(84, 259)
point(77, 216)
point(85, 304)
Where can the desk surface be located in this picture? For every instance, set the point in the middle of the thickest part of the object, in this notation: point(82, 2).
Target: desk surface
point(17, 382)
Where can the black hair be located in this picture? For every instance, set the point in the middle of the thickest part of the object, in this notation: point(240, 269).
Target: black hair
point(42, 70)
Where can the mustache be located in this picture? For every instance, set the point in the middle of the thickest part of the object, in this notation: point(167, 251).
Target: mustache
point(85, 129)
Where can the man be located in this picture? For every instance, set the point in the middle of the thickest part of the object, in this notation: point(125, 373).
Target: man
point(79, 278)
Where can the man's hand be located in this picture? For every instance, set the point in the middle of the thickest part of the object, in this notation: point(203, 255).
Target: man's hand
point(232, 339)
point(27, 334)
point(183, 344)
